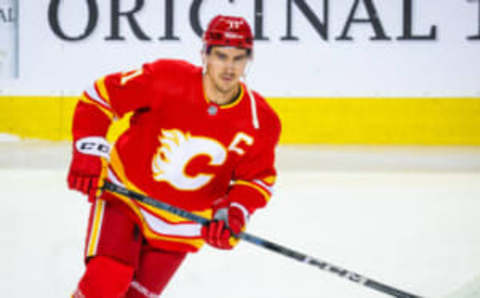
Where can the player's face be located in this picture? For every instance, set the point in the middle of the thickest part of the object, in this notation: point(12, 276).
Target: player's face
point(225, 66)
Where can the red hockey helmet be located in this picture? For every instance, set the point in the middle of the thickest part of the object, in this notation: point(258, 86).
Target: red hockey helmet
point(228, 31)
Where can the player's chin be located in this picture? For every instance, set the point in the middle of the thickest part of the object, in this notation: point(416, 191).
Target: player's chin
point(227, 87)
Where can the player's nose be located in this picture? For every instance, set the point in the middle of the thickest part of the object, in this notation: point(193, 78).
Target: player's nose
point(230, 66)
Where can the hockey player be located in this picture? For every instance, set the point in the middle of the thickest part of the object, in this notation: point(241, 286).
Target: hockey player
point(198, 139)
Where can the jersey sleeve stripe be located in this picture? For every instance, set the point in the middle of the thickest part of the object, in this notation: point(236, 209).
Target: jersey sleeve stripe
point(264, 185)
point(102, 90)
point(92, 93)
point(264, 192)
point(85, 98)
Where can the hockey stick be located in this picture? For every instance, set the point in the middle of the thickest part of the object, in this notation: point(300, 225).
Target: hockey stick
point(349, 275)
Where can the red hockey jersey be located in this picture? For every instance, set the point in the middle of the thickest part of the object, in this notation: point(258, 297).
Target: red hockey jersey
point(182, 148)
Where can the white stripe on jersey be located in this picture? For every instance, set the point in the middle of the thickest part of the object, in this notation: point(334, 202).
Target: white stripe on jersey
point(253, 107)
point(93, 94)
point(165, 228)
point(264, 185)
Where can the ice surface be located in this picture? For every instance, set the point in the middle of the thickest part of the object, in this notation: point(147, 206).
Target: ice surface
point(5, 137)
point(410, 224)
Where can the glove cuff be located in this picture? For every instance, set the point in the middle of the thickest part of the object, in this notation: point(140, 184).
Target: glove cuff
point(246, 214)
point(96, 146)
point(222, 213)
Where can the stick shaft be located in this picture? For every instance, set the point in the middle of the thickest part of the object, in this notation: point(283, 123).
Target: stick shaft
point(285, 251)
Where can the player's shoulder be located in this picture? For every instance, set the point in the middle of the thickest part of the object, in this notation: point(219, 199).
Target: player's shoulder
point(173, 67)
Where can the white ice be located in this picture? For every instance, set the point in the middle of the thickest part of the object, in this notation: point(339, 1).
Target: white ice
point(407, 217)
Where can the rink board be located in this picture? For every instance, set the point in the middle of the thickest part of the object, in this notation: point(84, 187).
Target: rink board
point(396, 121)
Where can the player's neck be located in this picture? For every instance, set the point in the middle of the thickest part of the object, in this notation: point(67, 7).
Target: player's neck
point(220, 97)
